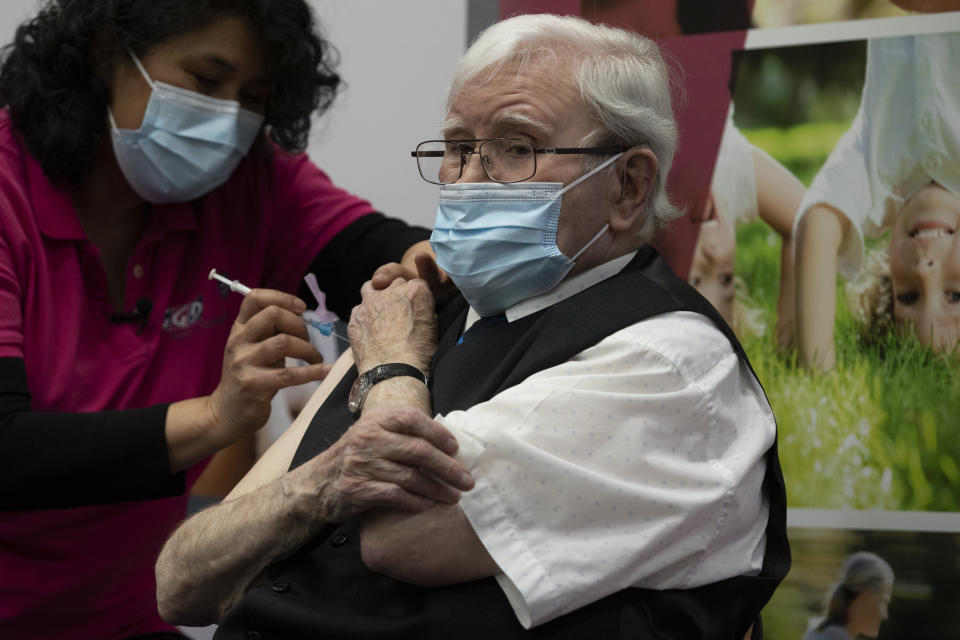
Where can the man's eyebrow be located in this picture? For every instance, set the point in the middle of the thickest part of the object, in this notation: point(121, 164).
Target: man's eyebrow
point(452, 125)
point(509, 119)
point(501, 120)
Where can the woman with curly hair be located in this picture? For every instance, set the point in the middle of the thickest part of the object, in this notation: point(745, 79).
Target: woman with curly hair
point(142, 143)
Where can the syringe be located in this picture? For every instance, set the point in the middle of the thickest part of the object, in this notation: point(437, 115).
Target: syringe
point(326, 328)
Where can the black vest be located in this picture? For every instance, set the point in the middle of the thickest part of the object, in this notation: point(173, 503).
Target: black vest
point(325, 591)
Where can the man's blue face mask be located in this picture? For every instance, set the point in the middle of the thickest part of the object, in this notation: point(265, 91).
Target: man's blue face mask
point(187, 145)
point(498, 242)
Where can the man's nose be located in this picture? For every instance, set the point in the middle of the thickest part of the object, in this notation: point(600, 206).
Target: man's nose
point(473, 169)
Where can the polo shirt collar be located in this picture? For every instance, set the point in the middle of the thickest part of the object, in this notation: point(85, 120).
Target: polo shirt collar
point(57, 216)
point(54, 209)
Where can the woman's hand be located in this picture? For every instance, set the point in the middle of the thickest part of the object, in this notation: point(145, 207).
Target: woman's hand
point(268, 329)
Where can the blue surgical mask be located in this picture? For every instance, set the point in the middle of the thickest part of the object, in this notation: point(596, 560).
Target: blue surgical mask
point(187, 145)
point(498, 242)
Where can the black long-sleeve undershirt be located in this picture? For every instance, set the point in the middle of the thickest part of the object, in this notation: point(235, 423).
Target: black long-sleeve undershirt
point(57, 460)
point(351, 257)
point(61, 460)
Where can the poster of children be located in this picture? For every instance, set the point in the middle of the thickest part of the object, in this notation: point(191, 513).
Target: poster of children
point(819, 168)
point(825, 232)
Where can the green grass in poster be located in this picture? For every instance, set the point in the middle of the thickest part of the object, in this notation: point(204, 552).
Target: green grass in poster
point(881, 429)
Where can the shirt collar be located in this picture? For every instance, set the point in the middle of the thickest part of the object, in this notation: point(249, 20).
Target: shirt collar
point(562, 291)
point(54, 209)
point(57, 216)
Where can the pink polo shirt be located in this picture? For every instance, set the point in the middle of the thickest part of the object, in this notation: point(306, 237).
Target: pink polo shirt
point(89, 572)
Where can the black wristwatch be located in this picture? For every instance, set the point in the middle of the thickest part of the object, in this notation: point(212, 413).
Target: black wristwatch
point(365, 381)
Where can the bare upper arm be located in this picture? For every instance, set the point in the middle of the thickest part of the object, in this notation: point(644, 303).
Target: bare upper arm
point(779, 193)
point(276, 460)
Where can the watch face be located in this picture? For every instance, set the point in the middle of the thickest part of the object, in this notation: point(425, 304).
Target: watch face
point(357, 394)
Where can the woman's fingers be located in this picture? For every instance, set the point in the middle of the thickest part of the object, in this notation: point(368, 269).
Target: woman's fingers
point(270, 321)
point(284, 345)
point(268, 329)
point(260, 299)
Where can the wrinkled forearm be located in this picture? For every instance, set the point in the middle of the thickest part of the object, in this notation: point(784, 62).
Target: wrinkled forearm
point(434, 548)
point(211, 559)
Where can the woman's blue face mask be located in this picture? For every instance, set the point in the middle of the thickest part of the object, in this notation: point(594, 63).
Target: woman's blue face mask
point(187, 145)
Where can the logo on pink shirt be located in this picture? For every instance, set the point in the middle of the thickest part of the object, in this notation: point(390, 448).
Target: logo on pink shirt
point(183, 316)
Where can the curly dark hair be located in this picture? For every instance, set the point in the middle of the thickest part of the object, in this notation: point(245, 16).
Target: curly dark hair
point(58, 101)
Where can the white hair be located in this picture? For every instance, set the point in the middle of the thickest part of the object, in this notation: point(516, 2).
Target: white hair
point(621, 77)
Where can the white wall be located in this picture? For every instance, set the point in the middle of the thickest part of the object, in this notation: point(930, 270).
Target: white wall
point(396, 60)
point(13, 13)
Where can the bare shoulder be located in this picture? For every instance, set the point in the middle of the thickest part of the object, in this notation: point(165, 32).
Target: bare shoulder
point(276, 460)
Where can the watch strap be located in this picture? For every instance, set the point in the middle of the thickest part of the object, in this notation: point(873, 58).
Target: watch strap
point(366, 380)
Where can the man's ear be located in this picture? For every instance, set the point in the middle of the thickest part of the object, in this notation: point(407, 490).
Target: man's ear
point(636, 170)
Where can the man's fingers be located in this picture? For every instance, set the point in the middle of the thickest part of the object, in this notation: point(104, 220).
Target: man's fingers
point(384, 276)
point(421, 454)
point(410, 438)
point(411, 479)
point(386, 495)
point(428, 270)
point(410, 421)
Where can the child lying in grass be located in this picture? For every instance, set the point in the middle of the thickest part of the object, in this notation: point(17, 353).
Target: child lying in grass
point(747, 184)
point(897, 168)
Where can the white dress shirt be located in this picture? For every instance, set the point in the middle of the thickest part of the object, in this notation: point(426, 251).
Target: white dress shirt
point(905, 135)
point(638, 462)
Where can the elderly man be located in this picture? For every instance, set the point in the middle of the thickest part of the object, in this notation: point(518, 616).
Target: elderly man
point(601, 461)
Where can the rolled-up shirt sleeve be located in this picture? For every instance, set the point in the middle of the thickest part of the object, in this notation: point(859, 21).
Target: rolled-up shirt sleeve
point(639, 462)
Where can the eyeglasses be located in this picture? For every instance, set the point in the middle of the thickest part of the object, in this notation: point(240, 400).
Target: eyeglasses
point(502, 159)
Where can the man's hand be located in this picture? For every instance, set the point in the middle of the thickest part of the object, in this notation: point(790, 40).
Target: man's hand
point(395, 324)
point(424, 267)
point(397, 458)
